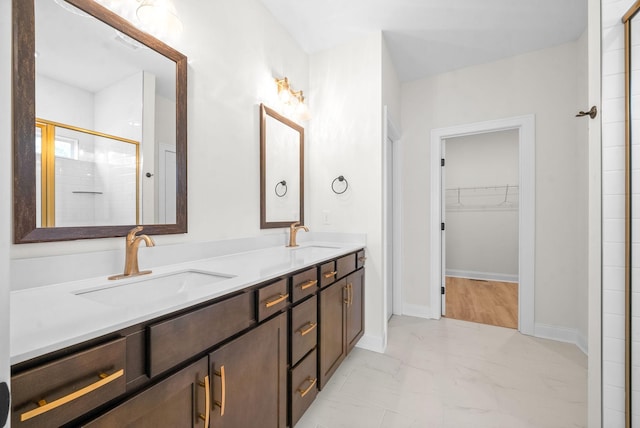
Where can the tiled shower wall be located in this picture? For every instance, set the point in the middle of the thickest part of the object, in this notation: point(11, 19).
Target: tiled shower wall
point(613, 211)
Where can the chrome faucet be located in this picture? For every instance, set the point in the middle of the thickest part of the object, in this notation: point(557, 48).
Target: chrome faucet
point(131, 254)
point(293, 232)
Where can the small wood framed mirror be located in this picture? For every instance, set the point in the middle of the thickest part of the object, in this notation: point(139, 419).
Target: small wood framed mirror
point(281, 170)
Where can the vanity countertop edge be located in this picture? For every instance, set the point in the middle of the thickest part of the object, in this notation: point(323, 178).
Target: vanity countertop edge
point(52, 317)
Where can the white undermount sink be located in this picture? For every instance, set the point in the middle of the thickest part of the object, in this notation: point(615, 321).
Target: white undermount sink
point(313, 251)
point(152, 290)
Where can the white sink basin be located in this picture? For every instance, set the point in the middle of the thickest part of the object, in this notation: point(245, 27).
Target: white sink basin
point(313, 251)
point(150, 291)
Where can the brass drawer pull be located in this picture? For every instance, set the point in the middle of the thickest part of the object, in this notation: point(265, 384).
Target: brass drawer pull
point(305, 331)
point(304, 392)
point(330, 274)
point(362, 258)
point(281, 298)
point(207, 401)
point(307, 284)
point(45, 407)
point(223, 386)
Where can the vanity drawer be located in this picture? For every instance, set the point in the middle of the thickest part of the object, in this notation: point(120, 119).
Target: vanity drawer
point(60, 391)
point(345, 265)
point(177, 339)
point(304, 284)
point(304, 386)
point(360, 258)
point(304, 332)
point(272, 299)
point(328, 273)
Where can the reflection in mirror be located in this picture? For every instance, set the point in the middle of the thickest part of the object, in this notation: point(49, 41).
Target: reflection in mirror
point(632, 213)
point(106, 147)
point(281, 170)
point(103, 82)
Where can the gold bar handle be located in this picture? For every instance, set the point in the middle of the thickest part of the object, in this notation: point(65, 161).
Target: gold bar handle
point(362, 258)
point(223, 399)
point(304, 392)
point(45, 407)
point(350, 285)
point(305, 331)
point(330, 274)
point(207, 402)
point(307, 284)
point(274, 301)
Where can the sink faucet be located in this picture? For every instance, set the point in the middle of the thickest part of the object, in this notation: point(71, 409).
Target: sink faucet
point(131, 254)
point(293, 232)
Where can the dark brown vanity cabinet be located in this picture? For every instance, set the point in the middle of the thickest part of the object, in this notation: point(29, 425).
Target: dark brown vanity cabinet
point(249, 379)
point(177, 401)
point(341, 315)
point(255, 358)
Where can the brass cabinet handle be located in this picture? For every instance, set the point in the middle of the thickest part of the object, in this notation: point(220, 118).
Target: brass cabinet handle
point(349, 300)
point(307, 284)
point(207, 401)
point(223, 386)
point(44, 407)
point(305, 331)
point(330, 274)
point(362, 258)
point(350, 294)
point(275, 301)
point(312, 383)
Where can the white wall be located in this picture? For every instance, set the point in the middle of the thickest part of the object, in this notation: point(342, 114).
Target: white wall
point(543, 83)
point(613, 202)
point(235, 50)
point(59, 102)
point(481, 228)
point(5, 184)
point(346, 139)
point(390, 85)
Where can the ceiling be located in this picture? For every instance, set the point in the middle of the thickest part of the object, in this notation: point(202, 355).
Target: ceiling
point(427, 37)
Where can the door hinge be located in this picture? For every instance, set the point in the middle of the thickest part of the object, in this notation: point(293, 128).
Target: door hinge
point(441, 226)
point(442, 290)
point(442, 162)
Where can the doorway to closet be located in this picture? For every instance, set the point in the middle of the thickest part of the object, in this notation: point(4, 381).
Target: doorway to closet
point(480, 190)
point(525, 127)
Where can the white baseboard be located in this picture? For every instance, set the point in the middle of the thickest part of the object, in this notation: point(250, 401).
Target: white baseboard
point(372, 343)
point(562, 334)
point(419, 311)
point(487, 276)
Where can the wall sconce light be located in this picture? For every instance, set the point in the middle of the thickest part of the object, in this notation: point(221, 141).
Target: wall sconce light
point(292, 99)
point(159, 16)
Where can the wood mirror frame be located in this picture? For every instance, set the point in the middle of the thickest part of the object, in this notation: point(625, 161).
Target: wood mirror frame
point(264, 112)
point(23, 105)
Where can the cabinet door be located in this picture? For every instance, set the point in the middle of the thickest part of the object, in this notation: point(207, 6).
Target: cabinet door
point(332, 332)
point(178, 401)
point(355, 312)
point(249, 379)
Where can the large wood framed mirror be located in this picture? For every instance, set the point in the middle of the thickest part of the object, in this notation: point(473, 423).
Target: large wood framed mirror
point(99, 125)
point(281, 170)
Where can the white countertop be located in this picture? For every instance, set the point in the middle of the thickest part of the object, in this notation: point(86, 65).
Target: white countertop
point(52, 317)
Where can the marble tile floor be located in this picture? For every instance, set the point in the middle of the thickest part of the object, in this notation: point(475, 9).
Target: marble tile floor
point(455, 374)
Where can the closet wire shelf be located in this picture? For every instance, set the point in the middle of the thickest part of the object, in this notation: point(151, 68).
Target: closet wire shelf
point(482, 198)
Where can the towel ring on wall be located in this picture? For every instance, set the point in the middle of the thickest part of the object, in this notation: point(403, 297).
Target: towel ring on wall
point(283, 184)
point(340, 179)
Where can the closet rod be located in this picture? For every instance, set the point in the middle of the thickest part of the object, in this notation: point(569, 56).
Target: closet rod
point(484, 187)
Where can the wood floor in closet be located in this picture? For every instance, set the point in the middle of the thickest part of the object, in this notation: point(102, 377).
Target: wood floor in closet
point(486, 302)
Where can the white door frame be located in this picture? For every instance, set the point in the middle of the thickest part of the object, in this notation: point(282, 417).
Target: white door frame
point(526, 213)
point(391, 132)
